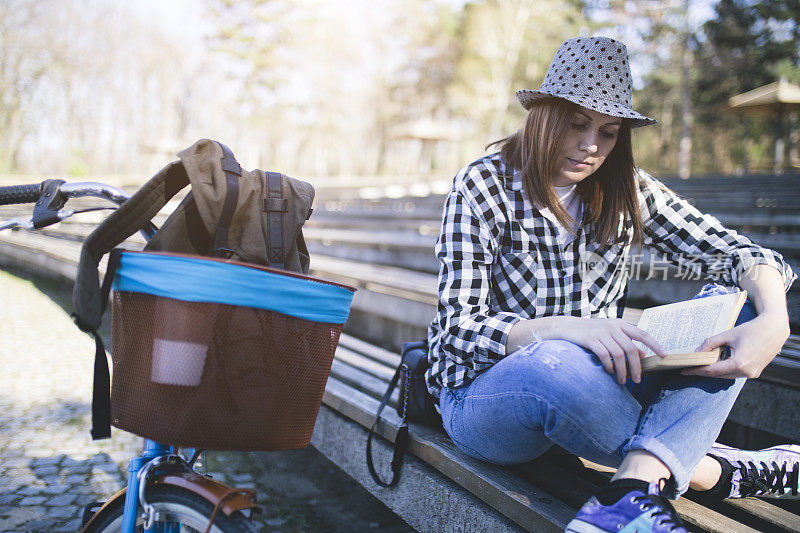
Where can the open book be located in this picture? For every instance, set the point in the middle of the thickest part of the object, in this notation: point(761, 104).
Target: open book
point(683, 326)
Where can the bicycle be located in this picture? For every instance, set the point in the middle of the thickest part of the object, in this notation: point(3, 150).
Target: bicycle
point(164, 493)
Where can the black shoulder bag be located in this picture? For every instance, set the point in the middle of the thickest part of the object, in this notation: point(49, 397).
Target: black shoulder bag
point(415, 404)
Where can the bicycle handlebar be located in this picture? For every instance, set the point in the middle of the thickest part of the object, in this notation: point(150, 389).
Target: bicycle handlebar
point(20, 194)
point(57, 193)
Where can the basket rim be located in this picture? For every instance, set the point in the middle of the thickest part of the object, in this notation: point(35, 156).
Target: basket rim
point(255, 266)
point(196, 279)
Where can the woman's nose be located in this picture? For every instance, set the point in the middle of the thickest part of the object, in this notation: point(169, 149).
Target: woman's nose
point(588, 143)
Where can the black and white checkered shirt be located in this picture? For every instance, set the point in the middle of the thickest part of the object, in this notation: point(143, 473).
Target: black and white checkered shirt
point(501, 261)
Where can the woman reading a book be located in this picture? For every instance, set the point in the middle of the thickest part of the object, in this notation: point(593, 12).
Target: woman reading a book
point(527, 348)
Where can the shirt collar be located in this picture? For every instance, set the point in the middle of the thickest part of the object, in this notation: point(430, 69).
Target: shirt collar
point(512, 178)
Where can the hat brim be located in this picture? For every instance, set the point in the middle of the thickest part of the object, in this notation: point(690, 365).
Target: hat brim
point(527, 97)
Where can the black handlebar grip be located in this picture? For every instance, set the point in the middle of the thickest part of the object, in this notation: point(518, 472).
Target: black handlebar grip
point(20, 194)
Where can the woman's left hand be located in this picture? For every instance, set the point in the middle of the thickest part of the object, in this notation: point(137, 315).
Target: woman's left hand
point(753, 345)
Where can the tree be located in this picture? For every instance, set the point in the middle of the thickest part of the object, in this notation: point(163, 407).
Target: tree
point(748, 44)
point(507, 45)
point(24, 61)
point(660, 38)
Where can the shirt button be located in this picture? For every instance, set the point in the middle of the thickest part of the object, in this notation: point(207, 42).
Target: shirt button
point(563, 273)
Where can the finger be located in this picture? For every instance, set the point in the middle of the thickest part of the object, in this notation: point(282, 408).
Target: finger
point(714, 342)
point(644, 337)
point(632, 355)
point(618, 357)
point(721, 369)
point(605, 358)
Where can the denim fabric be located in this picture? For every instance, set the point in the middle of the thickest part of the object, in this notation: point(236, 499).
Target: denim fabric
point(556, 392)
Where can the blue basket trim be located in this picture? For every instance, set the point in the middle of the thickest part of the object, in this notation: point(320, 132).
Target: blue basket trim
point(199, 280)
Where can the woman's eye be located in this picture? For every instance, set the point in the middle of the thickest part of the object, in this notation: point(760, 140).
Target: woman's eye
point(578, 126)
point(608, 134)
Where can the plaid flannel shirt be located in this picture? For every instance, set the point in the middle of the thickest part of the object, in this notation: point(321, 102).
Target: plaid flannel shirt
point(501, 261)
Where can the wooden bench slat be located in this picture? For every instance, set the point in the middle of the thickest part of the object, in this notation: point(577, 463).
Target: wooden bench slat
point(382, 276)
point(355, 359)
point(377, 353)
point(769, 516)
point(520, 501)
point(362, 381)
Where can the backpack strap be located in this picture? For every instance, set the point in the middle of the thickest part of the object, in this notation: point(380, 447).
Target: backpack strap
point(233, 171)
point(275, 205)
point(89, 300)
point(400, 440)
point(101, 383)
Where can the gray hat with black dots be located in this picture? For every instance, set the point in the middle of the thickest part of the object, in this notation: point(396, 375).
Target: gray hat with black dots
point(594, 73)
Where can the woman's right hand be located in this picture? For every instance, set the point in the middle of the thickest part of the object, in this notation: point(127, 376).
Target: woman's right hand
point(611, 339)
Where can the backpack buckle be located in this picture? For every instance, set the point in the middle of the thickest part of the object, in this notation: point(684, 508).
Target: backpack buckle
point(223, 253)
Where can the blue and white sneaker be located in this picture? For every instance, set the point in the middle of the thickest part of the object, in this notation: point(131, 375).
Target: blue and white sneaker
point(627, 506)
point(768, 473)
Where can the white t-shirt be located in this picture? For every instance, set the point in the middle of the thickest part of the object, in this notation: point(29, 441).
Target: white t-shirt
point(572, 203)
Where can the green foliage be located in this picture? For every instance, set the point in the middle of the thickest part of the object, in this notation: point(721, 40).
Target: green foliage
point(504, 46)
point(747, 44)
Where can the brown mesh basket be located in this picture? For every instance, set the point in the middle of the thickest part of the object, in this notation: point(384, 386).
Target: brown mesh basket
point(217, 376)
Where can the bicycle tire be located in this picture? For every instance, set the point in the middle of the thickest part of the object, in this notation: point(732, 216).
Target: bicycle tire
point(176, 505)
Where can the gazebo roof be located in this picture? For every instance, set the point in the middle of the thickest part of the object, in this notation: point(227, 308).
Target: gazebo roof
point(767, 99)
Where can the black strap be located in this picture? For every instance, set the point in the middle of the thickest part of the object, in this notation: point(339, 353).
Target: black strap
point(275, 205)
point(232, 173)
point(400, 440)
point(101, 392)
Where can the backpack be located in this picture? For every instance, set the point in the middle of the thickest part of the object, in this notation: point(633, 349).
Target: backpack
point(231, 213)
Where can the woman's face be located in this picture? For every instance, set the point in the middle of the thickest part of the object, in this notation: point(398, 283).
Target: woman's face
point(590, 138)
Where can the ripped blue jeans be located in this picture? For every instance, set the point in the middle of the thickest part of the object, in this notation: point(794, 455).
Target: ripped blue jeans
point(556, 392)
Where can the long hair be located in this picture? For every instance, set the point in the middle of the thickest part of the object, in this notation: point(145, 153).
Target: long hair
point(610, 193)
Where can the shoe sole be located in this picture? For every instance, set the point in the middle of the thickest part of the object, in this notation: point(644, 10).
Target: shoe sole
point(579, 526)
point(791, 448)
point(794, 448)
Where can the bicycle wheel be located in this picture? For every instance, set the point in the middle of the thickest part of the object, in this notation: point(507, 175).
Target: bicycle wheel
point(174, 504)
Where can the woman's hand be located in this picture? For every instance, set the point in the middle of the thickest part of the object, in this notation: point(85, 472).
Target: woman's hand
point(753, 345)
point(611, 339)
point(756, 342)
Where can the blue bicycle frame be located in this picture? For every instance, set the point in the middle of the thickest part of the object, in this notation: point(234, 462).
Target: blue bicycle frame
point(152, 450)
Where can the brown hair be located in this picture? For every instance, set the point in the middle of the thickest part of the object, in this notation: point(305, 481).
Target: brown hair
point(609, 192)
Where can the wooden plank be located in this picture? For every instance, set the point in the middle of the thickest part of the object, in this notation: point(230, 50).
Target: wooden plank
point(711, 521)
point(769, 516)
point(364, 275)
point(362, 382)
point(365, 364)
point(525, 504)
point(377, 353)
point(395, 239)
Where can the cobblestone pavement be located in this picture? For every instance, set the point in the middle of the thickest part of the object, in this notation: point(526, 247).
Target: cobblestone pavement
point(50, 468)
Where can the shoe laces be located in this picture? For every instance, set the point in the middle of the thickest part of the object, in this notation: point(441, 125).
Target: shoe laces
point(663, 511)
point(767, 478)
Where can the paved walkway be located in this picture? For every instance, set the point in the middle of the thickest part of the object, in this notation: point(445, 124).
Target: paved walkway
point(50, 468)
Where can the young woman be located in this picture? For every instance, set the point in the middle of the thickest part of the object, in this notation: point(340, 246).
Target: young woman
point(527, 349)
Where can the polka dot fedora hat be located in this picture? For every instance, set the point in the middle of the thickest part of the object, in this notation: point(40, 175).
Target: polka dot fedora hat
point(592, 72)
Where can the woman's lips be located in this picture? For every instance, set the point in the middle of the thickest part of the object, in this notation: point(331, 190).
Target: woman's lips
point(578, 164)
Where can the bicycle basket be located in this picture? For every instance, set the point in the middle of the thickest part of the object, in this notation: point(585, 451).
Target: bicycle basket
point(221, 355)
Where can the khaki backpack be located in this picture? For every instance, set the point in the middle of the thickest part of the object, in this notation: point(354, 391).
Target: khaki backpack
point(255, 217)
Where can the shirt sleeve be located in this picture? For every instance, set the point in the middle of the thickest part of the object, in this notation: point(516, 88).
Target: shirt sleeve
point(473, 334)
point(698, 242)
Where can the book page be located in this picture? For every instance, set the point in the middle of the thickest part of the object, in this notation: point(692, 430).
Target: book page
point(683, 326)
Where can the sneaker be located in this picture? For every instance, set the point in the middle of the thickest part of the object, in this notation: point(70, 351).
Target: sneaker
point(640, 508)
point(769, 473)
